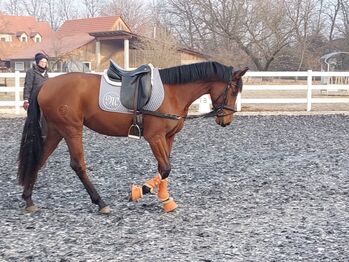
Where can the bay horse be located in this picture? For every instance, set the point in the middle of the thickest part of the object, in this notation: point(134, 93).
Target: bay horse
point(70, 101)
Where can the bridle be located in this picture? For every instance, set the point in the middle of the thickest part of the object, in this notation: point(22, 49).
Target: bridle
point(219, 110)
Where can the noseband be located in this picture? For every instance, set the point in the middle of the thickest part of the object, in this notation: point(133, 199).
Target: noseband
point(218, 110)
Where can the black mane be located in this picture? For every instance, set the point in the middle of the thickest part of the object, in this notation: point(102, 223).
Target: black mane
point(193, 72)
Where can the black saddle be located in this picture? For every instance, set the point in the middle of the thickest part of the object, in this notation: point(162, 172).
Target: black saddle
point(135, 85)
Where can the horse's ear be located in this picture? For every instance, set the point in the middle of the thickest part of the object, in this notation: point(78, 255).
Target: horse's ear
point(239, 73)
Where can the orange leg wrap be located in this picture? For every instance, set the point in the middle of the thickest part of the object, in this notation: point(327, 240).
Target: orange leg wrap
point(163, 195)
point(163, 191)
point(136, 193)
point(153, 183)
point(169, 205)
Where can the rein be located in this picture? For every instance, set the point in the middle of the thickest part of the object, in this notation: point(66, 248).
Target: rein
point(215, 112)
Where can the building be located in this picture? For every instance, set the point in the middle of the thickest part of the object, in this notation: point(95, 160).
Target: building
point(93, 42)
point(18, 33)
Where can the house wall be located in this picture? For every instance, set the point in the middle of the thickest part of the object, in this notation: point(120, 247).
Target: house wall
point(187, 58)
point(27, 64)
point(110, 49)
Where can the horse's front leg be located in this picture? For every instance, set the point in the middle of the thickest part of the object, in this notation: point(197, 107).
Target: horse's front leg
point(161, 147)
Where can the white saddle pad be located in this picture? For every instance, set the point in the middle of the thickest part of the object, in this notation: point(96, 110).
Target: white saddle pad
point(109, 94)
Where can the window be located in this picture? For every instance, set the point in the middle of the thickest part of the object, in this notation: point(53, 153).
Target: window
point(88, 65)
point(23, 37)
point(5, 38)
point(36, 38)
point(19, 66)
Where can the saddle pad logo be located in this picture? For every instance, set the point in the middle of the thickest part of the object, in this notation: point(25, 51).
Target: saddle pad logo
point(111, 100)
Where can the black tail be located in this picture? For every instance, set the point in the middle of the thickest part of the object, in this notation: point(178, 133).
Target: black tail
point(31, 149)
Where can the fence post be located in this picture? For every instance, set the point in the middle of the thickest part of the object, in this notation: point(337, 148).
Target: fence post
point(17, 91)
point(238, 102)
point(309, 89)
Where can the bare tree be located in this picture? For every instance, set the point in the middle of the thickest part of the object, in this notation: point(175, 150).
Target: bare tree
point(260, 28)
point(343, 25)
point(161, 52)
point(302, 15)
point(332, 9)
point(13, 7)
point(33, 8)
point(67, 10)
point(52, 15)
point(92, 8)
point(136, 13)
point(57, 12)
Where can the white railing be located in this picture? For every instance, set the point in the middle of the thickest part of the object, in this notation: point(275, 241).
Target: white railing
point(17, 89)
point(204, 102)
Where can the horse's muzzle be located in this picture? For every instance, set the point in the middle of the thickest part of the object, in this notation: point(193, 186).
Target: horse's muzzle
point(220, 121)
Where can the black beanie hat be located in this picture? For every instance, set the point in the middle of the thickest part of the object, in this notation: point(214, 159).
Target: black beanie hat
point(39, 56)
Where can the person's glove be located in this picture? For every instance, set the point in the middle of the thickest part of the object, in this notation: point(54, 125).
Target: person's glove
point(25, 105)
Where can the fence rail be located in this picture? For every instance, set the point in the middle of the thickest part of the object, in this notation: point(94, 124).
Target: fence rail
point(204, 102)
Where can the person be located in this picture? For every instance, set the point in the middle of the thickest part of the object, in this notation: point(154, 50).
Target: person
point(34, 77)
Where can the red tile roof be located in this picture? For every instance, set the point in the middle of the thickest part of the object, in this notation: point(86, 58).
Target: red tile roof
point(55, 46)
point(14, 25)
point(89, 25)
point(28, 24)
point(70, 36)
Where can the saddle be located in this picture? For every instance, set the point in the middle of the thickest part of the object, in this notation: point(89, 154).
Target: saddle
point(136, 89)
point(136, 86)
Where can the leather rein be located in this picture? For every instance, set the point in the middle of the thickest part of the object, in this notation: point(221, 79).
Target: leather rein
point(217, 110)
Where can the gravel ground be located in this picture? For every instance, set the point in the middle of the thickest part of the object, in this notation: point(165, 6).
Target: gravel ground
point(266, 188)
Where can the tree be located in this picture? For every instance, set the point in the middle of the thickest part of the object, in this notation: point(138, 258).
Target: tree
point(343, 25)
point(260, 28)
point(161, 51)
point(12, 7)
point(136, 13)
point(92, 8)
point(33, 8)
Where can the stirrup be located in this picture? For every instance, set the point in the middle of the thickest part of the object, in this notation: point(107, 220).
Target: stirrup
point(134, 131)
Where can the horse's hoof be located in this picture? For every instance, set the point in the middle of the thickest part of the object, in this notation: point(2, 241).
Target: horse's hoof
point(169, 205)
point(31, 209)
point(136, 193)
point(105, 210)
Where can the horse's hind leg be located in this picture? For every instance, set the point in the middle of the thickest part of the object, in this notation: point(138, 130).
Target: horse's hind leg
point(77, 163)
point(50, 144)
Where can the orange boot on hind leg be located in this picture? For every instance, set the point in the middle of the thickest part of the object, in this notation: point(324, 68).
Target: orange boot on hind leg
point(136, 193)
point(153, 183)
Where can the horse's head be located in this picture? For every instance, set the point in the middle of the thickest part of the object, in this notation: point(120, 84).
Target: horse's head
point(224, 97)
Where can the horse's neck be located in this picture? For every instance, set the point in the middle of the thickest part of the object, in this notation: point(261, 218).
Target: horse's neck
point(186, 94)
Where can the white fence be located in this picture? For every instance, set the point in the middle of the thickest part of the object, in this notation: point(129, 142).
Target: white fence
point(17, 89)
point(307, 100)
point(204, 102)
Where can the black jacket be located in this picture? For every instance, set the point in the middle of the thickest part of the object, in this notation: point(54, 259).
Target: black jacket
point(34, 78)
